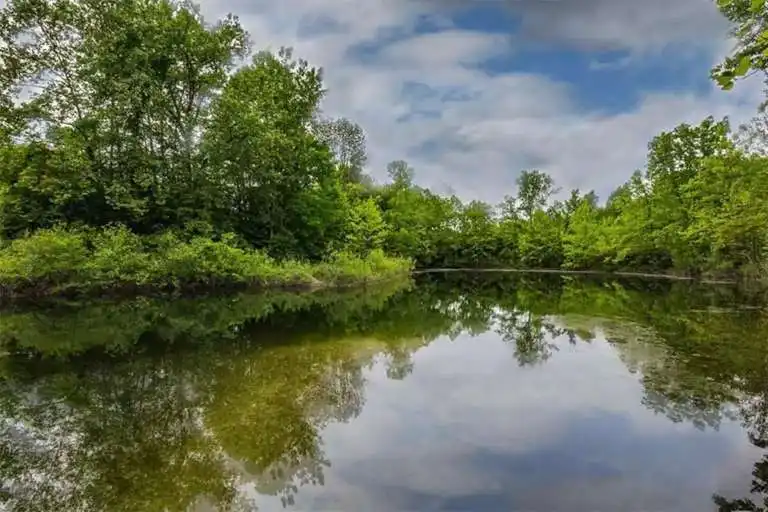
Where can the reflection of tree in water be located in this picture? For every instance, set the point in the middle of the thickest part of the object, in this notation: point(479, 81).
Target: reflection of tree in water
point(399, 364)
point(754, 413)
point(173, 427)
point(700, 359)
point(116, 438)
point(242, 394)
point(759, 488)
point(684, 396)
point(269, 409)
point(532, 336)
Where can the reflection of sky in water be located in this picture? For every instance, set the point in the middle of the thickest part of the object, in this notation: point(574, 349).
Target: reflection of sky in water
point(471, 430)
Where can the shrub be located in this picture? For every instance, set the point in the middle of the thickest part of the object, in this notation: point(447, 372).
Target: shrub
point(115, 256)
point(118, 255)
point(52, 256)
point(201, 260)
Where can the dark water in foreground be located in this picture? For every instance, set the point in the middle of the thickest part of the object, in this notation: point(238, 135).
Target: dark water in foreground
point(491, 392)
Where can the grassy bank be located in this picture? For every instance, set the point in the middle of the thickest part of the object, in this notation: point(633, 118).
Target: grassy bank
point(76, 262)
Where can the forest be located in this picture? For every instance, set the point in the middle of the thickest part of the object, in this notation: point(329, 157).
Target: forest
point(143, 145)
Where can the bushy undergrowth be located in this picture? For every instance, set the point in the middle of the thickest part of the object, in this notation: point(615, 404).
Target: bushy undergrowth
point(58, 260)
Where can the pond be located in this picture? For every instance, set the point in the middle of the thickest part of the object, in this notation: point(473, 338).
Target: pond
point(456, 392)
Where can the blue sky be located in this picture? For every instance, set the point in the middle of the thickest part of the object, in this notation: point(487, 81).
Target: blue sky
point(471, 93)
point(610, 80)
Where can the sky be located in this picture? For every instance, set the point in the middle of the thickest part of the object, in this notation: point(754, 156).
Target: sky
point(472, 92)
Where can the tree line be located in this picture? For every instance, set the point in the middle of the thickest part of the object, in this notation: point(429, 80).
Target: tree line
point(144, 115)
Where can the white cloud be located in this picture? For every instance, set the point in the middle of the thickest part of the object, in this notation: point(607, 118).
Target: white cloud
point(449, 48)
point(465, 129)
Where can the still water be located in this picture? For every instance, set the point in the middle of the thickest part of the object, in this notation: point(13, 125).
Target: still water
point(458, 392)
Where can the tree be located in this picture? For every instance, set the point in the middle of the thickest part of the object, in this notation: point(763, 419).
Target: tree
point(674, 159)
point(750, 21)
point(584, 239)
point(347, 142)
point(121, 91)
point(534, 190)
point(400, 173)
point(752, 137)
point(576, 199)
point(260, 150)
point(729, 211)
point(509, 208)
point(366, 229)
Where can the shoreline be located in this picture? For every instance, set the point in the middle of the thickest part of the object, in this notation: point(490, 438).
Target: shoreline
point(607, 273)
point(109, 291)
point(10, 295)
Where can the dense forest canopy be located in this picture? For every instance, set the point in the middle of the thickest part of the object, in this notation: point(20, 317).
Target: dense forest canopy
point(145, 115)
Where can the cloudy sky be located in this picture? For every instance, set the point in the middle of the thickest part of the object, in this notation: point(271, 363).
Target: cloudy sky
point(471, 92)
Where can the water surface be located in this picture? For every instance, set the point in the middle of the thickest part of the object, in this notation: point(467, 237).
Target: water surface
point(463, 392)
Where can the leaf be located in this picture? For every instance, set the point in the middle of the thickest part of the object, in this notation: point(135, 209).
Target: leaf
point(725, 82)
point(743, 66)
point(757, 5)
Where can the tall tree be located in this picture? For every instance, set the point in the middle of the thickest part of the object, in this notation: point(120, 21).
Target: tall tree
point(674, 159)
point(534, 190)
point(347, 141)
point(400, 173)
point(120, 90)
point(261, 150)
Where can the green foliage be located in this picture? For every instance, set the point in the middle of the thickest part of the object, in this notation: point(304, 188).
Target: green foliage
point(584, 241)
point(366, 229)
point(534, 190)
point(750, 28)
point(697, 208)
point(56, 260)
point(117, 254)
point(139, 116)
point(52, 256)
point(259, 145)
point(540, 241)
point(345, 267)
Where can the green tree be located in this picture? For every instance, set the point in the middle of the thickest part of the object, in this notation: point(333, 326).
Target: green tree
point(674, 159)
point(750, 28)
point(400, 173)
point(534, 190)
point(366, 229)
point(347, 142)
point(731, 210)
point(261, 152)
point(122, 89)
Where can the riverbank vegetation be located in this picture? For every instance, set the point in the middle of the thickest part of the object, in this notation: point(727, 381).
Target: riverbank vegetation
point(71, 262)
point(143, 146)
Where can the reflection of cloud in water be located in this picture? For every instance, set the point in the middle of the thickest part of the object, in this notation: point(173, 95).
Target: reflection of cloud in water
point(484, 422)
point(471, 430)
